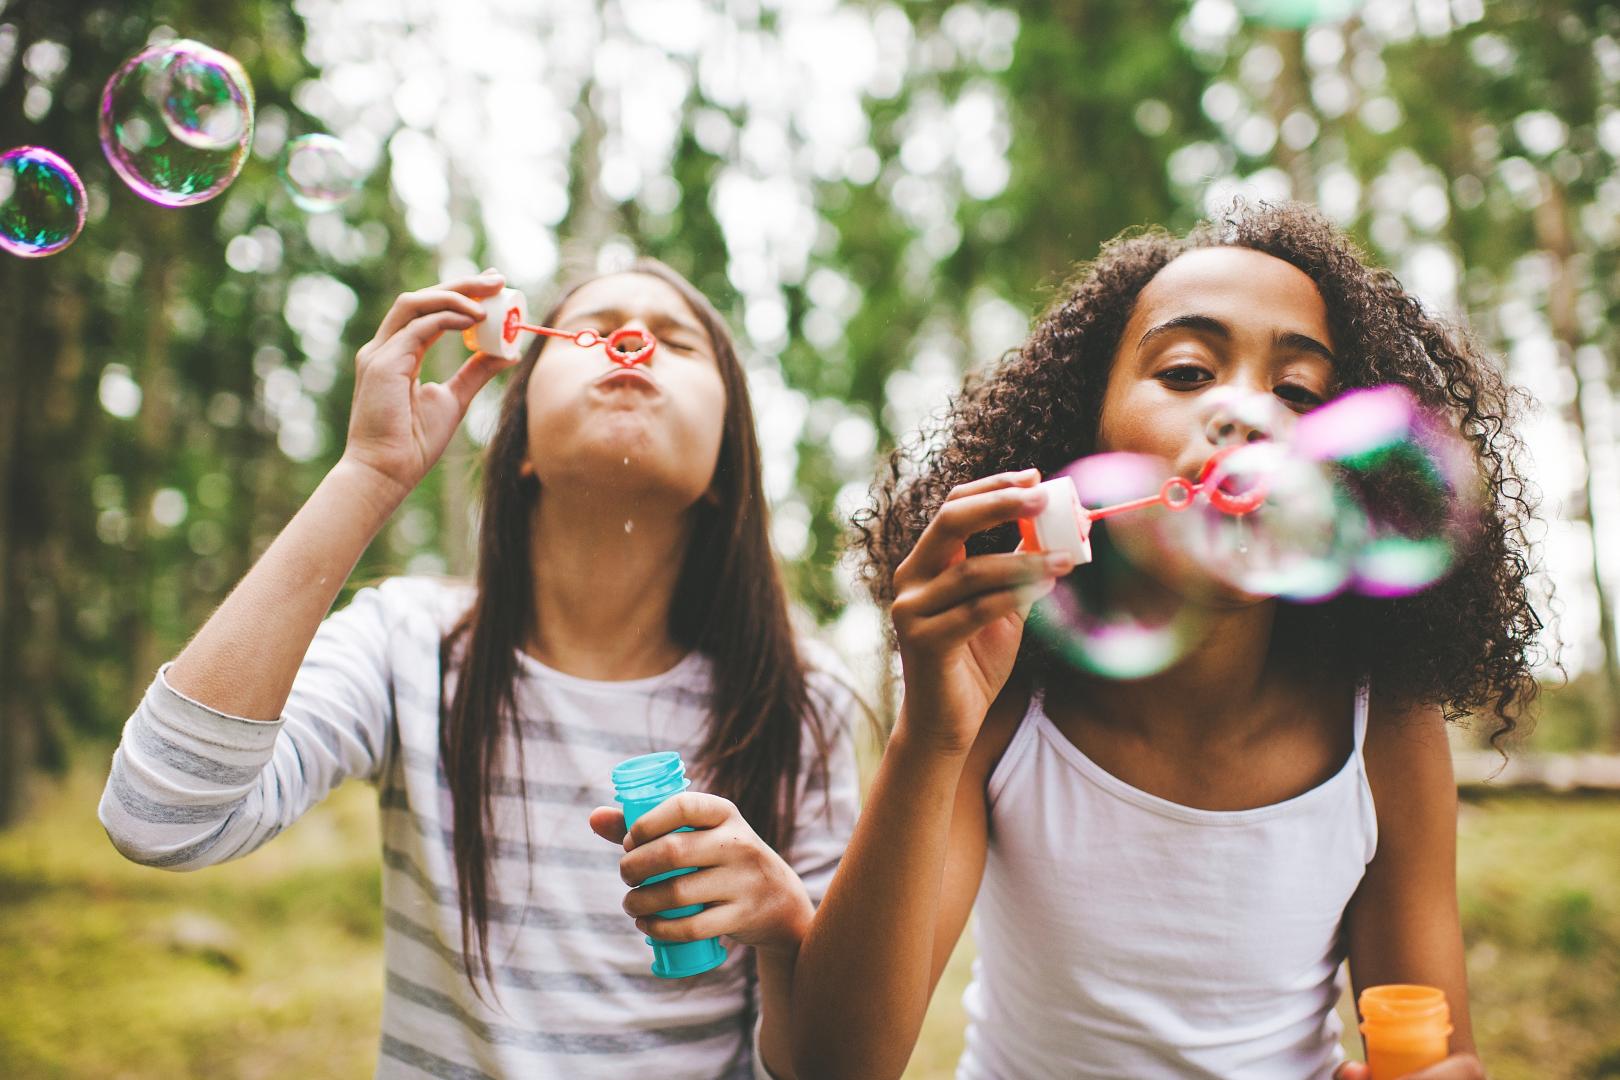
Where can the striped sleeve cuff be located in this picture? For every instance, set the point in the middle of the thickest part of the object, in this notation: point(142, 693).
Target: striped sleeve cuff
point(197, 729)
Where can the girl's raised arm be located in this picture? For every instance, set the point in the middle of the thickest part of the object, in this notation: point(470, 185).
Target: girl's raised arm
point(216, 759)
point(897, 905)
point(243, 660)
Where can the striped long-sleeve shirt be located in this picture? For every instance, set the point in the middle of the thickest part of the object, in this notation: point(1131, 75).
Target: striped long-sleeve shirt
point(191, 787)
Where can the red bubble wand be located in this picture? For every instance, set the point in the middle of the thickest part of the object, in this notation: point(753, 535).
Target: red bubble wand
point(640, 343)
point(505, 317)
point(1065, 524)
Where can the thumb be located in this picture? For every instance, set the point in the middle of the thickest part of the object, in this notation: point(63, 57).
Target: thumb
point(473, 374)
point(608, 823)
point(1352, 1070)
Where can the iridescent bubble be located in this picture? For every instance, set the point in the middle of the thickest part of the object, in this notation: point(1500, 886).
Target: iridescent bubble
point(177, 121)
point(1412, 476)
point(207, 99)
point(1114, 617)
point(42, 203)
point(1272, 523)
point(319, 173)
point(1298, 14)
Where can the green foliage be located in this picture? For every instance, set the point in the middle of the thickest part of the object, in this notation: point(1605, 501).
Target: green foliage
point(1491, 137)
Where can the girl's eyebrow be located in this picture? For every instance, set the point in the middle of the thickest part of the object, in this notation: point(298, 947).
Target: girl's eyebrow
point(617, 314)
point(1203, 324)
point(1207, 324)
point(1304, 343)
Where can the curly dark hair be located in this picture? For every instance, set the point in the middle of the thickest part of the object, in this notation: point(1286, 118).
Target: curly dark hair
point(1467, 643)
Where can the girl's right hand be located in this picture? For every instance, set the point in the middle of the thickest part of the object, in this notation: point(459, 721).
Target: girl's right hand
point(398, 425)
point(958, 621)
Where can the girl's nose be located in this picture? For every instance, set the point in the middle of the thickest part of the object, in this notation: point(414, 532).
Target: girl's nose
point(1238, 416)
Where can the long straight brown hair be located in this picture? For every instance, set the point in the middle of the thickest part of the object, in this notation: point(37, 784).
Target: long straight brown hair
point(729, 605)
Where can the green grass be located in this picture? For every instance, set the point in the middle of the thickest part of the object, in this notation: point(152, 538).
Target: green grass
point(100, 980)
point(97, 982)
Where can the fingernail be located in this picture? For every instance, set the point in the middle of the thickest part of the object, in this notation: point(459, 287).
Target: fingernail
point(1060, 562)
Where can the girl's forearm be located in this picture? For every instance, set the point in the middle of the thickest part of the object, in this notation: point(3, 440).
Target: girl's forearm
point(775, 1007)
point(862, 981)
point(244, 658)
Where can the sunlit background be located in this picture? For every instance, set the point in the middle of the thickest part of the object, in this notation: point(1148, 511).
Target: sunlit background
point(879, 196)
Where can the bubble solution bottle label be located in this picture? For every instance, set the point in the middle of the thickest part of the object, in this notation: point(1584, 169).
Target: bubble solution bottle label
point(642, 783)
point(1406, 1028)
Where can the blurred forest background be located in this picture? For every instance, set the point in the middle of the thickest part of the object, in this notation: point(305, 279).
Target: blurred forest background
point(879, 195)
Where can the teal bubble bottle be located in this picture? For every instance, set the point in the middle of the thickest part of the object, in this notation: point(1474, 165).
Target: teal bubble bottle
point(642, 783)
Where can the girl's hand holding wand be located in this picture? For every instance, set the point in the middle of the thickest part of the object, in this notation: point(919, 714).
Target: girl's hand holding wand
point(958, 621)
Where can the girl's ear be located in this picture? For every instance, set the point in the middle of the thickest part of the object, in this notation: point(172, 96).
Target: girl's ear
point(526, 470)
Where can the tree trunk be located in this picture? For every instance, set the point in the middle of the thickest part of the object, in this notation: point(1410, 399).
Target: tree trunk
point(1554, 236)
point(20, 319)
point(15, 744)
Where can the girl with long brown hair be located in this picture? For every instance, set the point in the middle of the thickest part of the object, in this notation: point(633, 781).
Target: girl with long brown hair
point(626, 601)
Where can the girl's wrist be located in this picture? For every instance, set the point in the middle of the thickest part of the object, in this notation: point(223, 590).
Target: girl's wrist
point(785, 943)
point(934, 741)
point(380, 494)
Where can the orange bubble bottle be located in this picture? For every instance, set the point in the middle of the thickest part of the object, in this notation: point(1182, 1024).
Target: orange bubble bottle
point(1406, 1028)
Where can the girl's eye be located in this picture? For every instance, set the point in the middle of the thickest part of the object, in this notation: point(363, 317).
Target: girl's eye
point(684, 346)
point(1185, 376)
point(1298, 395)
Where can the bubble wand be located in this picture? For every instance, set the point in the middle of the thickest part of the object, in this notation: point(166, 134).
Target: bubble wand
point(1065, 524)
point(506, 315)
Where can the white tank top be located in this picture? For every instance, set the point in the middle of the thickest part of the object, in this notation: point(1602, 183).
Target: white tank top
point(1124, 936)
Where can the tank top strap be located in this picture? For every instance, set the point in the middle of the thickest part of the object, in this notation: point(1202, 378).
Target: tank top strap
point(1022, 737)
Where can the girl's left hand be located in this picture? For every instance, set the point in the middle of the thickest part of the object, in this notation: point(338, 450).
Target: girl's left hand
point(752, 895)
point(1455, 1067)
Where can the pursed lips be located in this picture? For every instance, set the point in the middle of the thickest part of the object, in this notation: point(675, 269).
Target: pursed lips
point(627, 376)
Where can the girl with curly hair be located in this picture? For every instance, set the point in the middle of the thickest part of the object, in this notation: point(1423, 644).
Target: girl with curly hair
point(1169, 871)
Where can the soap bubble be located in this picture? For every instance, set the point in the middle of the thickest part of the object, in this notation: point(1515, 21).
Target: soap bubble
point(177, 122)
point(1272, 523)
point(1369, 493)
point(42, 203)
point(207, 99)
point(1412, 476)
point(1114, 616)
point(1298, 14)
point(318, 173)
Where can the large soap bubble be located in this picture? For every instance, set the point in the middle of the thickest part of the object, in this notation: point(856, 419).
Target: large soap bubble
point(1272, 523)
point(1369, 492)
point(177, 122)
point(42, 203)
